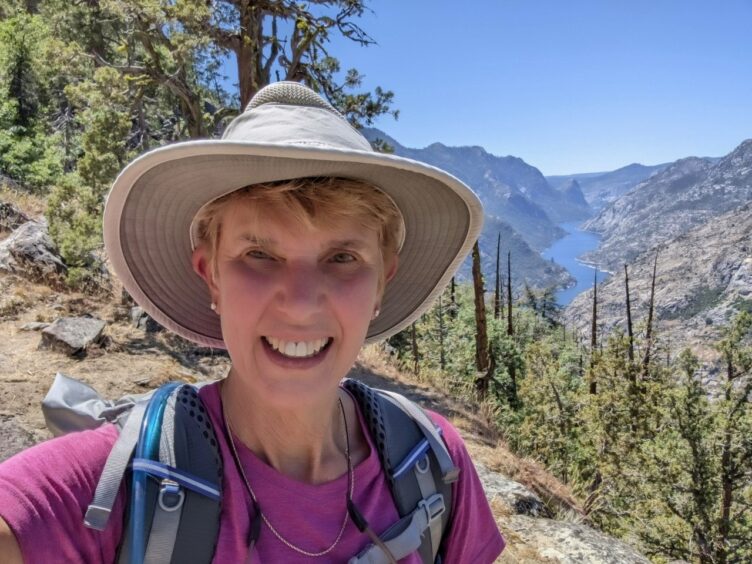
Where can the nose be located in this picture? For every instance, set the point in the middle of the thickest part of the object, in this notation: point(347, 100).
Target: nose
point(301, 291)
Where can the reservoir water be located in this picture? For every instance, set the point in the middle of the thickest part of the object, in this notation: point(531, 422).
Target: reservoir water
point(565, 252)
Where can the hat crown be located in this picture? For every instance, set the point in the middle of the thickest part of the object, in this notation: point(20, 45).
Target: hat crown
point(291, 114)
point(291, 94)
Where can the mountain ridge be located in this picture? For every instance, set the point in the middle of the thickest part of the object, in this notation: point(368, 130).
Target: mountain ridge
point(684, 195)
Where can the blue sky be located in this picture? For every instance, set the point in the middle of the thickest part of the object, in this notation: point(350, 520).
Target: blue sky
point(575, 86)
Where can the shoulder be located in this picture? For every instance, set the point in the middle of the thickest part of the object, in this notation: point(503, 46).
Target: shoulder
point(82, 454)
point(44, 492)
point(474, 530)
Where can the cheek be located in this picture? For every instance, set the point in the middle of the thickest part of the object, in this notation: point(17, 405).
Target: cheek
point(358, 293)
point(238, 282)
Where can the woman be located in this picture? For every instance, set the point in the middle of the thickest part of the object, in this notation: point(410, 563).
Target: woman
point(291, 244)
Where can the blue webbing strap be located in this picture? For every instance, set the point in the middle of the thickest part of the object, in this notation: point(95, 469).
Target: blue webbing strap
point(160, 470)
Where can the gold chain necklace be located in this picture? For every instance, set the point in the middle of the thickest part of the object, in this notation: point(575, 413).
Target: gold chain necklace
point(350, 479)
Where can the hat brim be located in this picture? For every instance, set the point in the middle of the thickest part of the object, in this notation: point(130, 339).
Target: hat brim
point(153, 201)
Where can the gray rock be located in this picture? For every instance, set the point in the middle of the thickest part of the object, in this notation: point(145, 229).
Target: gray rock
point(72, 335)
point(11, 217)
point(13, 438)
point(513, 494)
point(144, 321)
point(572, 543)
point(30, 252)
point(34, 326)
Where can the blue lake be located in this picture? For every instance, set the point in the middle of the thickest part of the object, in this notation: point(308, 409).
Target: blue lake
point(565, 252)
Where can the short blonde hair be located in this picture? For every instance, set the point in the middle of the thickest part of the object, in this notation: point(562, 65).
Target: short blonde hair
point(313, 202)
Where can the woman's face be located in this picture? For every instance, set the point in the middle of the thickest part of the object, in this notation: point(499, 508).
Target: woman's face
point(295, 302)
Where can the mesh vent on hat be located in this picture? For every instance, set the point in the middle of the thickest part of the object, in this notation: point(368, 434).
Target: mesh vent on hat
point(290, 93)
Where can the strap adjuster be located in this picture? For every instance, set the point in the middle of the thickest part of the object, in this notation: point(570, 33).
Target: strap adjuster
point(433, 507)
point(171, 495)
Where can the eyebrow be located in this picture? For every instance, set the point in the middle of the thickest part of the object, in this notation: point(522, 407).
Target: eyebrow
point(355, 244)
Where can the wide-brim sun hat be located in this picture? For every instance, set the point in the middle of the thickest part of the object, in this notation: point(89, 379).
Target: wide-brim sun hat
point(286, 132)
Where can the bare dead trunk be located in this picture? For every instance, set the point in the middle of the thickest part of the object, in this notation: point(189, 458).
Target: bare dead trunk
point(414, 336)
point(481, 331)
point(510, 326)
point(442, 357)
point(649, 329)
point(629, 317)
point(453, 298)
point(497, 292)
point(594, 334)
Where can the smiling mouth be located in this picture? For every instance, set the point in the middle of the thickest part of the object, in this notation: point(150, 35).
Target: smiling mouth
point(298, 349)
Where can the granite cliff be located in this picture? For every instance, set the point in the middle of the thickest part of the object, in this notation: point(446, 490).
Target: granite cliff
point(703, 277)
point(688, 193)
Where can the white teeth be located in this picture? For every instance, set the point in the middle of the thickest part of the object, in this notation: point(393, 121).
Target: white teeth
point(297, 349)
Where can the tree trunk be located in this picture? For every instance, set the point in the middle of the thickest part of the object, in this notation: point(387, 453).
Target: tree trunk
point(511, 368)
point(453, 300)
point(629, 318)
point(248, 51)
point(497, 292)
point(481, 331)
point(649, 329)
point(594, 334)
point(442, 357)
point(414, 336)
point(727, 471)
point(510, 326)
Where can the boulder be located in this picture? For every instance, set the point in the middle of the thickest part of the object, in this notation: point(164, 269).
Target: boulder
point(30, 252)
point(11, 217)
point(571, 543)
point(72, 335)
point(144, 321)
point(512, 494)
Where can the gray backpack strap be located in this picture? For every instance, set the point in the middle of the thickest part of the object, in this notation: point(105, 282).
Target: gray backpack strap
point(407, 535)
point(419, 472)
point(183, 494)
point(169, 508)
point(71, 405)
point(449, 472)
point(100, 508)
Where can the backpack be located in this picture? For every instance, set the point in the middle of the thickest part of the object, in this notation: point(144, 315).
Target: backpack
point(170, 449)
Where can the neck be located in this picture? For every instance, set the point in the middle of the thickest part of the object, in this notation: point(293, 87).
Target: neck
point(305, 443)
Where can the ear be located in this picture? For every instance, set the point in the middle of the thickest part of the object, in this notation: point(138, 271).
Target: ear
point(202, 266)
point(390, 269)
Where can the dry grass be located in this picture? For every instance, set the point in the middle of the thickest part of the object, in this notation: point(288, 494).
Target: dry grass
point(31, 204)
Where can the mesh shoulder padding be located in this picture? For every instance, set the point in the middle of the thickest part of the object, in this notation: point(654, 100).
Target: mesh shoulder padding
point(197, 452)
point(395, 434)
point(188, 442)
point(291, 93)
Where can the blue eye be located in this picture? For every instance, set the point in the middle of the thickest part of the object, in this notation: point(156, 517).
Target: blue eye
point(343, 258)
point(256, 254)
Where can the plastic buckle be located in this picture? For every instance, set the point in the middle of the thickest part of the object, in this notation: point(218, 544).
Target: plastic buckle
point(433, 507)
point(171, 495)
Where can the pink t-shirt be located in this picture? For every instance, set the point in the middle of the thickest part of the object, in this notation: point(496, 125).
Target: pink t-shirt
point(45, 490)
